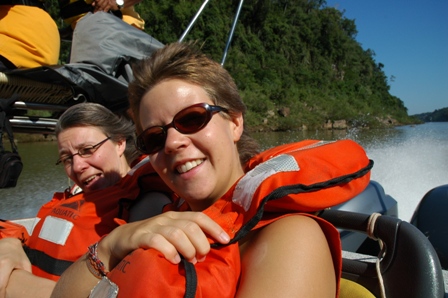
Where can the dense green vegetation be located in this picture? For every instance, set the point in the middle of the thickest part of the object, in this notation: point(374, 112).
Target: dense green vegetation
point(440, 115)
point(295, 55)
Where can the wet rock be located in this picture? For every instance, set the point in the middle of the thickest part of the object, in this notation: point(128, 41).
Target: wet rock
point(284, 112)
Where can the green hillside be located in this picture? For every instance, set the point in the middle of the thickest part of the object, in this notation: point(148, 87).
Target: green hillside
point(297, 63)
point(440, 115)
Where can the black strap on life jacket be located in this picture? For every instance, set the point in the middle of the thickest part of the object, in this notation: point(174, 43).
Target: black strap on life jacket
point(191, 279)
point(45, 262)
point(294, 189)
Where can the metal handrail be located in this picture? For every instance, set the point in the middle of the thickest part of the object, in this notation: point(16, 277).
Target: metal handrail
point(229, 39)
point(187, 30)
point(232, 30)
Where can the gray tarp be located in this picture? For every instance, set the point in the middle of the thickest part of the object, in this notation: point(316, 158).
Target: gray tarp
point(103, 40)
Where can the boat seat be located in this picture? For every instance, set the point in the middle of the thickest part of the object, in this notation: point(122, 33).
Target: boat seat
point(32, 91)
point(34, 95)
point(57, 87)
point(407, 265)
point(430, 218)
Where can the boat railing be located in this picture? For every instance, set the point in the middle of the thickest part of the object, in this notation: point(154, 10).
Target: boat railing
point(34, 95)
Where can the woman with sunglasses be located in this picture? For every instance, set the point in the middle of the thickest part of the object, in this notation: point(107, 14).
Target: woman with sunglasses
point(189, 117)
point(96, 149)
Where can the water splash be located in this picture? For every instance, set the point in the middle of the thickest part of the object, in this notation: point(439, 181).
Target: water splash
point(409, 160)
point(411, 163)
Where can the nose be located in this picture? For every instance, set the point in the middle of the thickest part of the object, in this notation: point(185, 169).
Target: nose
point(79, 164)
point(175, 140)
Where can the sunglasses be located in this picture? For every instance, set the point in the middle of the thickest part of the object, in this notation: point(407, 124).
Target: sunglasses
point(188, 121)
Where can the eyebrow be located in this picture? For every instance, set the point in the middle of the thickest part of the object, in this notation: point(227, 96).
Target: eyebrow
point(77, 147)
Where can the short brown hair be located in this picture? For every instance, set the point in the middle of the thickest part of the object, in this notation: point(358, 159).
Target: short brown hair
point(185, 61)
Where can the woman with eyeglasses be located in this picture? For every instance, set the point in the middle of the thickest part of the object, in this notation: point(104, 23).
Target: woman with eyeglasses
point(96, 148)
point(189, 117)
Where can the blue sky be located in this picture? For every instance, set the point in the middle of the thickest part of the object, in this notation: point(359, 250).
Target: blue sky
point(410, 37)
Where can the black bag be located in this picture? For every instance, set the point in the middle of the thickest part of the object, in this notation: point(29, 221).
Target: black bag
point(10, 169)
point(10, 162)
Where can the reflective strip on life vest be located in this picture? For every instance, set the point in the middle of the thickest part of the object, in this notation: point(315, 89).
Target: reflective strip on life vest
point(56, 230)
point(246, 187)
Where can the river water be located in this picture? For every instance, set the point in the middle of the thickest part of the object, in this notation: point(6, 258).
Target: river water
point(409, 161)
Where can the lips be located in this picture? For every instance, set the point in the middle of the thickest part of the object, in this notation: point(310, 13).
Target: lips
point(189, 165)
point(90, 179)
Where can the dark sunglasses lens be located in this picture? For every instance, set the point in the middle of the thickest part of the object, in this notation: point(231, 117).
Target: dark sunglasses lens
point(141, 143)
point(151, 140)
point(191, 120)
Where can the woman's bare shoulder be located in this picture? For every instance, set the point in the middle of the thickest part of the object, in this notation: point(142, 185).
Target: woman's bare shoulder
point(288, 257)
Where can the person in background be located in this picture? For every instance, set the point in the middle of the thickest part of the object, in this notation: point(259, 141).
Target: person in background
point(73, 10)
point(96, 149)
point(29, 37)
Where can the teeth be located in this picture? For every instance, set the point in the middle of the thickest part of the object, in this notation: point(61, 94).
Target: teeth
point(189, 165)
point(89, 179)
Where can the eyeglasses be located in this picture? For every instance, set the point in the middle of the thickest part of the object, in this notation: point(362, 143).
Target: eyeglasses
point(188, 121)
point(83, 152)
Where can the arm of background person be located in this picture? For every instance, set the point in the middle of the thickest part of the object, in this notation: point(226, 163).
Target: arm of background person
point(170, 233)
point(287, 258)
point(106, 5)
point(12, 256)
point(24, 284)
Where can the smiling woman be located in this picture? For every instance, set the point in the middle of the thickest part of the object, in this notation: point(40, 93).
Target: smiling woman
point(190, 120)
point(96, 148)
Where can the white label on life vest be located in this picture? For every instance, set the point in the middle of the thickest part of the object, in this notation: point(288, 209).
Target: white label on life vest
point(56, 230)
point(248, 185)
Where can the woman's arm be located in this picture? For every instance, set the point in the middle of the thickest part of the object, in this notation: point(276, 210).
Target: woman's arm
point(170, 233)
point(24, 284)
point(76, 281)
point(288, 258)
point(12, 256)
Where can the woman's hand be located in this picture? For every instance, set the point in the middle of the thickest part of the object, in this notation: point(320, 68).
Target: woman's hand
point(171, 233)
point(12, 256)
point(104, 5)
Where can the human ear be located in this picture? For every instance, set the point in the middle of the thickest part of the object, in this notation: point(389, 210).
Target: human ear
point(121, 147)
point(237, 127)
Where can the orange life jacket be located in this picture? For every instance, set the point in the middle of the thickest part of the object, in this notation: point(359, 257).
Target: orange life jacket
point(68, 224)
point(295, 178)
point(10, 229)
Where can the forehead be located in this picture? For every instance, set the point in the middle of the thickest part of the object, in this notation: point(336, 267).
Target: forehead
point(167, 98)
point(76, 137)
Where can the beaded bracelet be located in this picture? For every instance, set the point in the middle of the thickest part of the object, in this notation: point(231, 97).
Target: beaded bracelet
point(94, 264)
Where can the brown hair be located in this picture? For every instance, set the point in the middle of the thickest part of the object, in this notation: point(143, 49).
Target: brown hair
point(185, 61)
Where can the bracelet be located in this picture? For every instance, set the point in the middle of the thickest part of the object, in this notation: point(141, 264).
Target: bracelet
point(94, 264)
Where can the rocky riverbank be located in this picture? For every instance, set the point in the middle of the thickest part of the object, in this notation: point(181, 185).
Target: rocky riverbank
point(267, 125)
point(27, 138)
